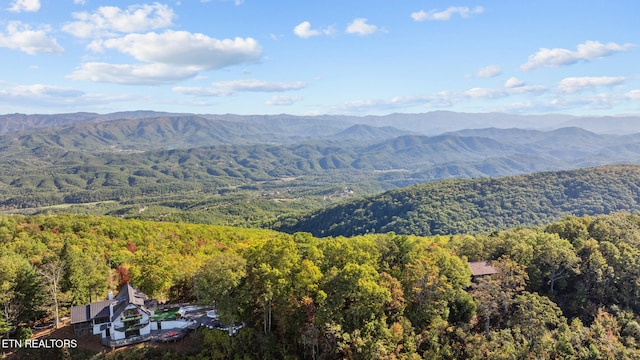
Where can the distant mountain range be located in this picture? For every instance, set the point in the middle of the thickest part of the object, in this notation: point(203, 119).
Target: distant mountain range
point(432, 123)
point(132, 156)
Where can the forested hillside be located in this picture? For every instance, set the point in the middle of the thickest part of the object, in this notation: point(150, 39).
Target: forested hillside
point(479, 205)
point(567, 290)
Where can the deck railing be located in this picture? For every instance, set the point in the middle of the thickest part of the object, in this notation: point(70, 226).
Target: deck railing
point(128, 341)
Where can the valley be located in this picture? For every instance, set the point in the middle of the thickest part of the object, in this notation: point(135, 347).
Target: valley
point(228, 169)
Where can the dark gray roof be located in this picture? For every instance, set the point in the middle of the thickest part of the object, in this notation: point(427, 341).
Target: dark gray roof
point(131, 295)
point(85, 313)
point(127, 295)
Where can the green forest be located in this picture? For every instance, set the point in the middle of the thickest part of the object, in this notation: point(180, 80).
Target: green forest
point(479, 205)
point(247, 172)
point(326, 238)
point(566, 290)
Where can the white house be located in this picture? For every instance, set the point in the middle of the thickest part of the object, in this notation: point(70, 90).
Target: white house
point(128, 318)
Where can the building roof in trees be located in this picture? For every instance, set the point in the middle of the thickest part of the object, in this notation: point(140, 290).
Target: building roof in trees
point(127, 295)
point(85, 313)
point(130, 295)
point(481, 268)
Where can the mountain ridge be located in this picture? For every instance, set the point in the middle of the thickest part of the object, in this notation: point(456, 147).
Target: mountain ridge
point(430, 123)
point(478, 205)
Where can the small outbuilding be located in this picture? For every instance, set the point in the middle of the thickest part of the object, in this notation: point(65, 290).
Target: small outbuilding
point(481, 268)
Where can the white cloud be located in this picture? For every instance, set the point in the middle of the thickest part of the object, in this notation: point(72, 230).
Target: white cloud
point(167, 57)
point(633, 94)
point(80, 2)
point(54, 98)
point(235, 2)
point(183, 48)
point(485, 93)
point(443, 99)
point(259, 85)
point(138, 74)
point(496, 93)
point(557, 57)
point(279, 100)
point(599, 101)
point(110, 20)
point(513, 82)
point(490, 71)
point(225, 88)
point(45, 90)
point(444, 15)
point(359, 26)
point(22, 37)
point(200, 91)
point(577, 84)
point(37, 95)
point(528, 89)
point(25, 5)
point(440, 99)
point(305, 31)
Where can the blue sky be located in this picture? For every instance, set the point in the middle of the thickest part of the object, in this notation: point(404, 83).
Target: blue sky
point(320, 57)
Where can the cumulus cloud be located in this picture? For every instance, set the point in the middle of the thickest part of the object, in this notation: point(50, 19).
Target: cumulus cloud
point(490, 71)
point(440, 99)
point(19, 36)
point(633, 94)
point(577, 84)
point(111, 20)
point(557, 57)
point(45, 90)
point(225, 88)
point(50, 97)
point(182, 48)
point(305, 31)
point(444, 99)
point(444, 15)
point(259, 85)
point(167, 57)
point(513, 82)
point(528, 89)
point(39, 95)
point(279, 100)
point(133, 74)
point(25, 5)
point(359, 26)
point(485, 93)
point(200, 91)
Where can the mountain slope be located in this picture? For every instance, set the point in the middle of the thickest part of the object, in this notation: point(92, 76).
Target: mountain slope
point(479, 205)
point(145, 134)
point(61, 167)
point(363, 132)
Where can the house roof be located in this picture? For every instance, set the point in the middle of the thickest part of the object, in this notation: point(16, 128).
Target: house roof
point(127, 295)
point(480, 268)
point(85, 313)
point(130, 295)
